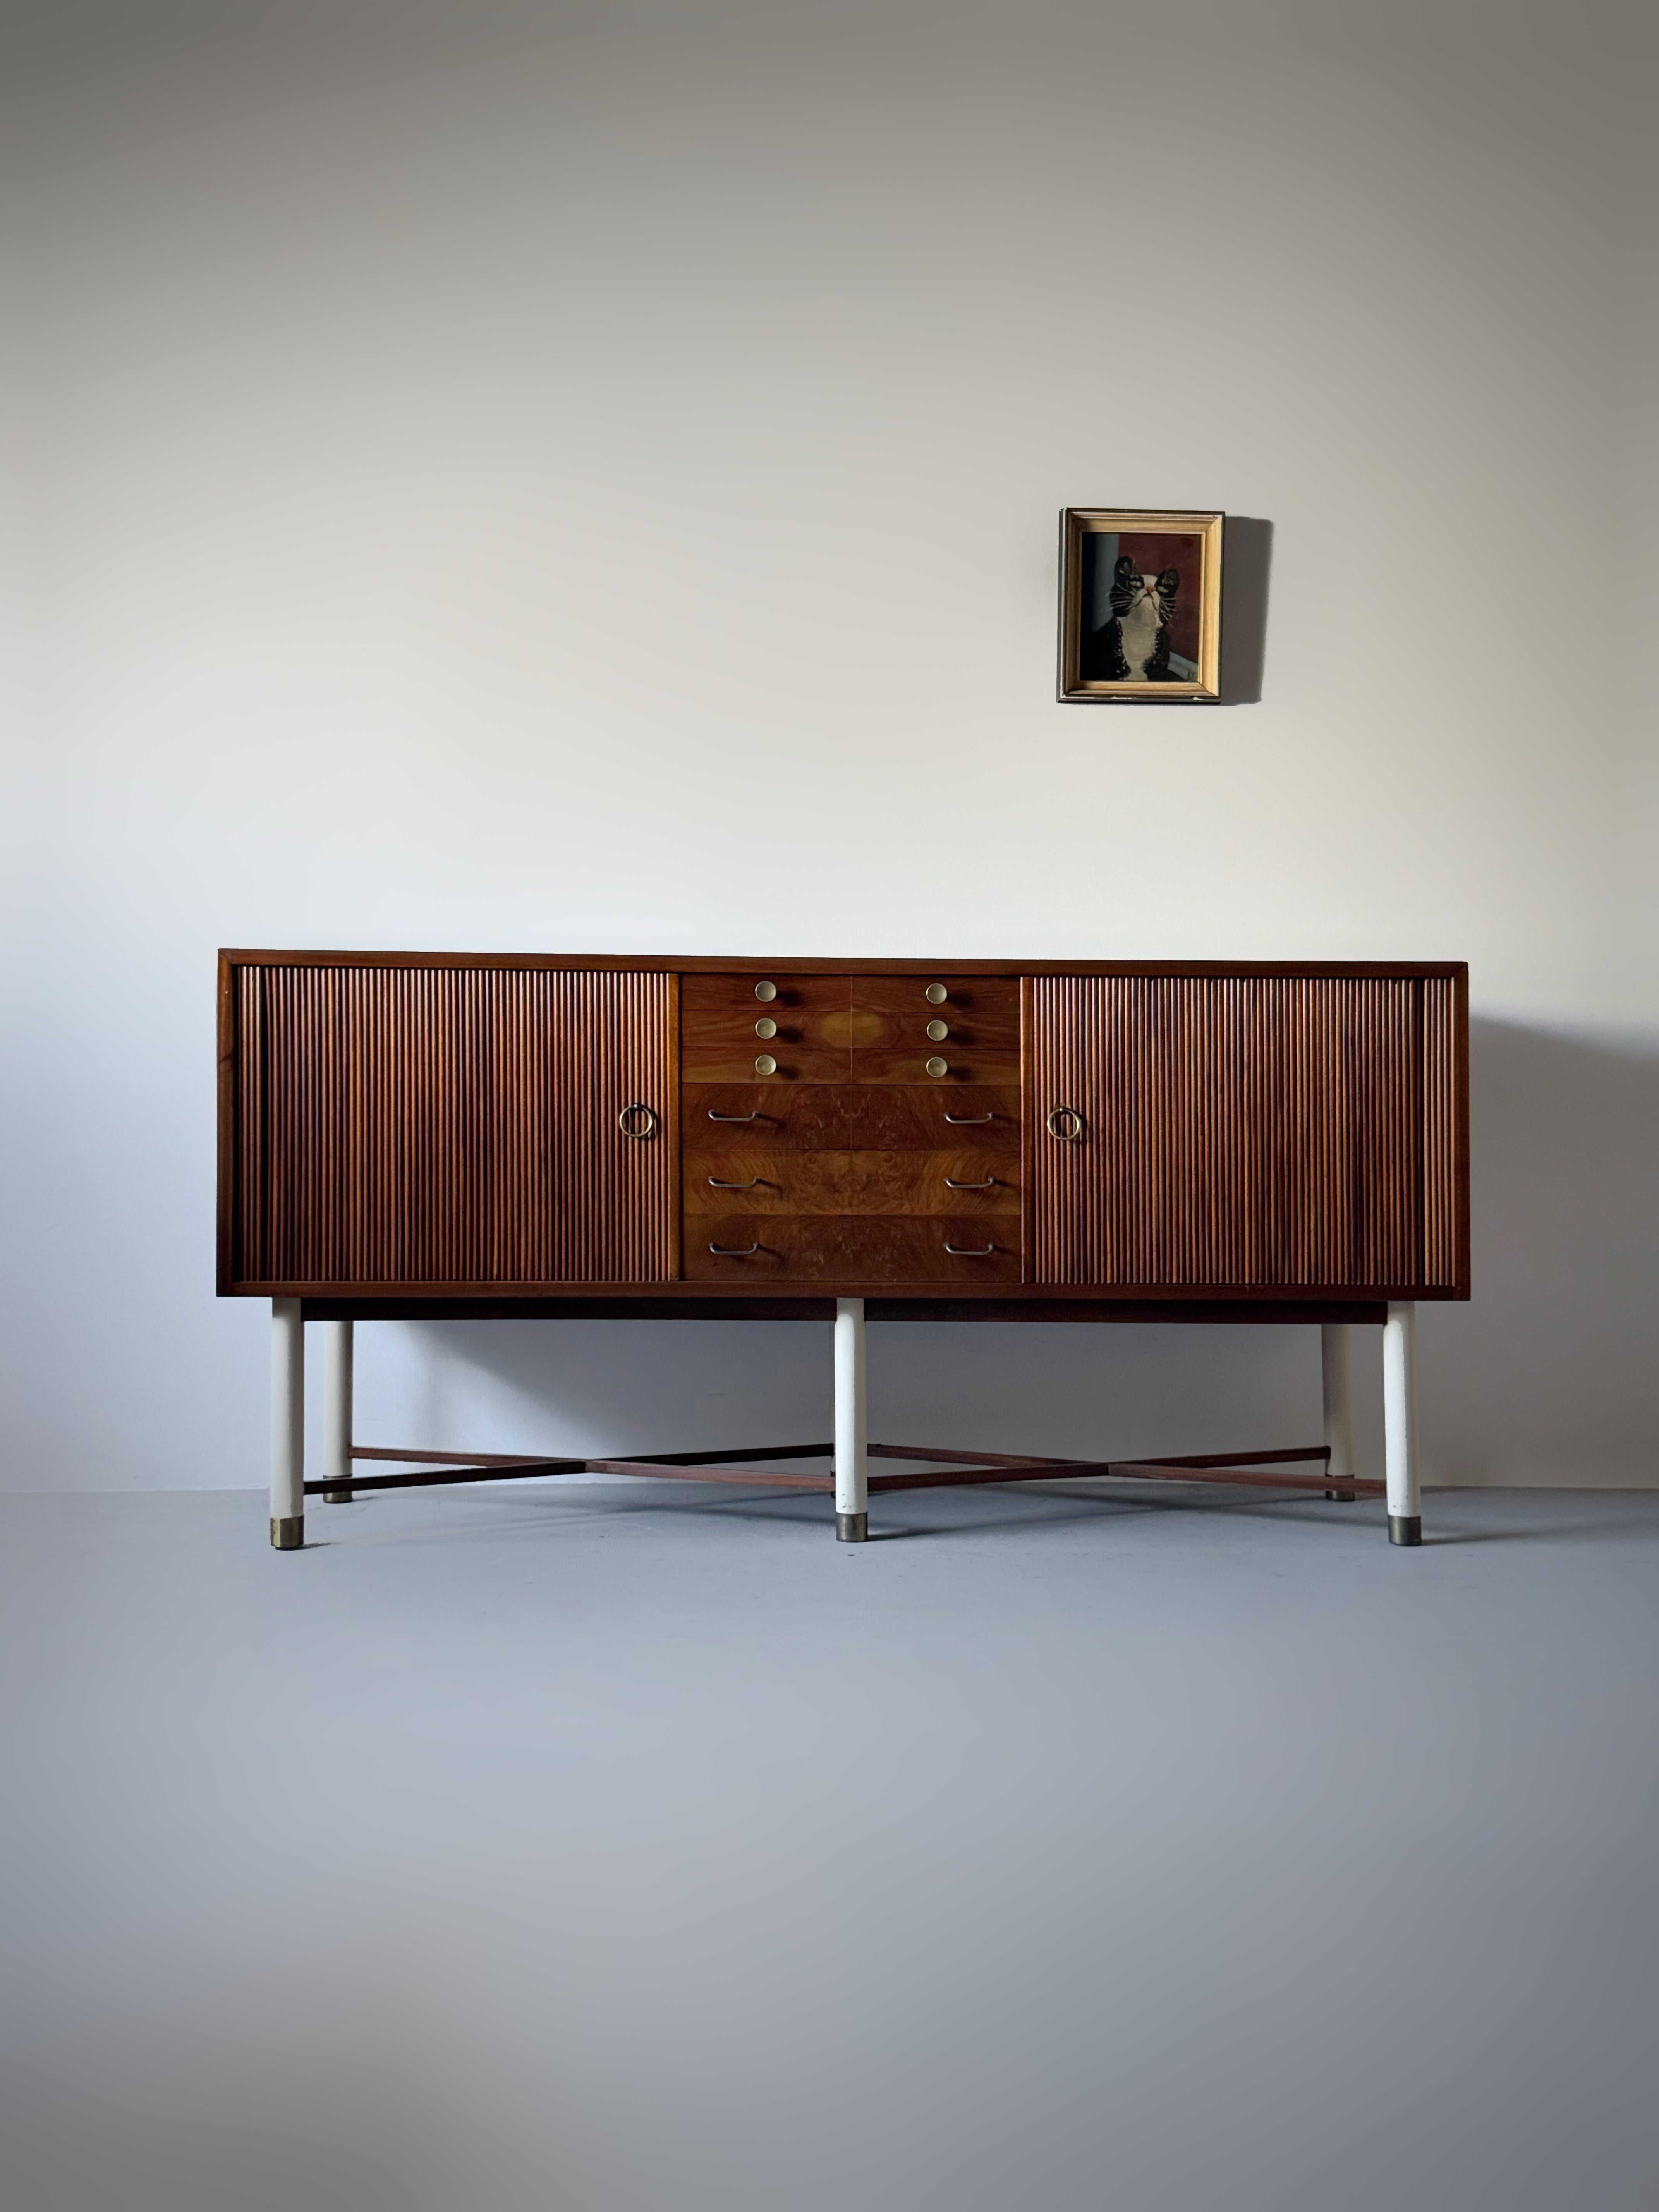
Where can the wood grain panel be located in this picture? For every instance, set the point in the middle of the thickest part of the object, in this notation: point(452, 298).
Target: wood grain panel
point(890, 1019)
point(824, 1117)
point(1246, 1131)
point(719, 1041)
point(823, 1248)
point(760, 1182)
point(451, 1125)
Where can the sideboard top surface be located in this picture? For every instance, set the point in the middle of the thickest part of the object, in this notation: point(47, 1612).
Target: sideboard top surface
point(680, 964)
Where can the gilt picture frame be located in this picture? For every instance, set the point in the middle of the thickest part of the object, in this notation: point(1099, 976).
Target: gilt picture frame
point(1139, 606)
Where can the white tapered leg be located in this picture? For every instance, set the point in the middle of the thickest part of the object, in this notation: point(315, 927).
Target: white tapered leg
point(852, 1483)
point(1337, 1369)
point(288, 1426)
point(1399, 1425)
point(336, 1411)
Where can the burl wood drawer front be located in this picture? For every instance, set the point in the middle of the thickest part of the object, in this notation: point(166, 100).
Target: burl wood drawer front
point(848, 1117)
point(959, 1251)
point(759, 1180)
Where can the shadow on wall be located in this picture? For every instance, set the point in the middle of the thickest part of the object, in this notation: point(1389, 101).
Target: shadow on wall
point(1551, 1376)
point(1247, 552)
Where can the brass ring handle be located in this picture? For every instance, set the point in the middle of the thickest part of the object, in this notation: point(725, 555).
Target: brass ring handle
point(971, 1251)
point(733, 1252)
point(1074, 1125)
point(625, 1118)
point(713, 1116)
point(990, 1183)
point(714, 1183)
point(968, 1121)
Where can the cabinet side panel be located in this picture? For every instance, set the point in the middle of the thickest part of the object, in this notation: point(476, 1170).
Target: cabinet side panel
point(420, 1124)
point(1444, 1257)
point(1249, 1132)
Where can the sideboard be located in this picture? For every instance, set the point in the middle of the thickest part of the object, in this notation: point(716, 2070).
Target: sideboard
point(427, 1135)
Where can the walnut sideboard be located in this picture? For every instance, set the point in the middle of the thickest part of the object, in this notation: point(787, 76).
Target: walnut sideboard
point(434, 1135)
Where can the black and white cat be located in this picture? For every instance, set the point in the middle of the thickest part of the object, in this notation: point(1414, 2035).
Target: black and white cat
point(1134, 646)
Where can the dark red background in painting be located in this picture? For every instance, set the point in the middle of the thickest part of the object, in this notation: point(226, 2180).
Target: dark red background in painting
point(1151, 551)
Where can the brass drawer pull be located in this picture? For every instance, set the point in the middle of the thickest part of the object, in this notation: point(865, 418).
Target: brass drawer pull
point(1066, 1123)
point(713, 1116)
point(625, 1119)
point(733, 1252)
point(938, 1031)
point(971, 1251)
point(967, 1121)
point(936, 994)
point(937, 1066)
point(714, 1183)
point(766, 1027)
point(990, 1183)
point(764, 1064)
point(766, 993)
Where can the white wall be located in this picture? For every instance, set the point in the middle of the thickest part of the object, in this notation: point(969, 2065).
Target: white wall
point(575, 480)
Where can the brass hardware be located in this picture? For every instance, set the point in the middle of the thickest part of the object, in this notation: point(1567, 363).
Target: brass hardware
point(968, 1121)
point(713, 1116)
point(766, 992)
point(288, 1533)
point(766, 1027)
point(990, 1184)
point(714, 1183)
point(733, 1252)
point(1070, 1134)
point(937, 1066)
point(852, 1527)
point(936, 994)
point(938, 1031)
point(625, 1119)
point(971, 1251)
point(765, 1065)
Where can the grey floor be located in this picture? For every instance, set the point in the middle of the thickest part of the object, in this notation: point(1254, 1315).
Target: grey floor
point(641, 1848)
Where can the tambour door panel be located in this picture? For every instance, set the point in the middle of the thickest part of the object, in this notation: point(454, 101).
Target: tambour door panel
point(1248, 1132)
point(447, 1125)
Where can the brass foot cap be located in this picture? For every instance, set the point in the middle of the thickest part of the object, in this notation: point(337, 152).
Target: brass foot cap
point(336, 1497)
point(1405, 1527)
point(853, 1527)
point(289, 1536)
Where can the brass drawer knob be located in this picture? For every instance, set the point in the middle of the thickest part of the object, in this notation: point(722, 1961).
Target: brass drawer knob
point(766, 992)
point(765, 1027)
point(638, 1120)
point(937, 1066)
point(938, 1032)
point(1066, 1123)
point(936, 994)
point(764, 1064)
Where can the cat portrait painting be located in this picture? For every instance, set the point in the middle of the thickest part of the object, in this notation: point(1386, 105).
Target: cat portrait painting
point(1139, 604)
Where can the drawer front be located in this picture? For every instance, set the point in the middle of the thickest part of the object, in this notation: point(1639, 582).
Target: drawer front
point(724, 1117)
point(748, 1249)
point(975, 1030)
point(755, 1179)
point(725, 1029)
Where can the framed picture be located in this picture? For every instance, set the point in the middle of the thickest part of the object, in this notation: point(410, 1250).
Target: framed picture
point(1140, 605)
